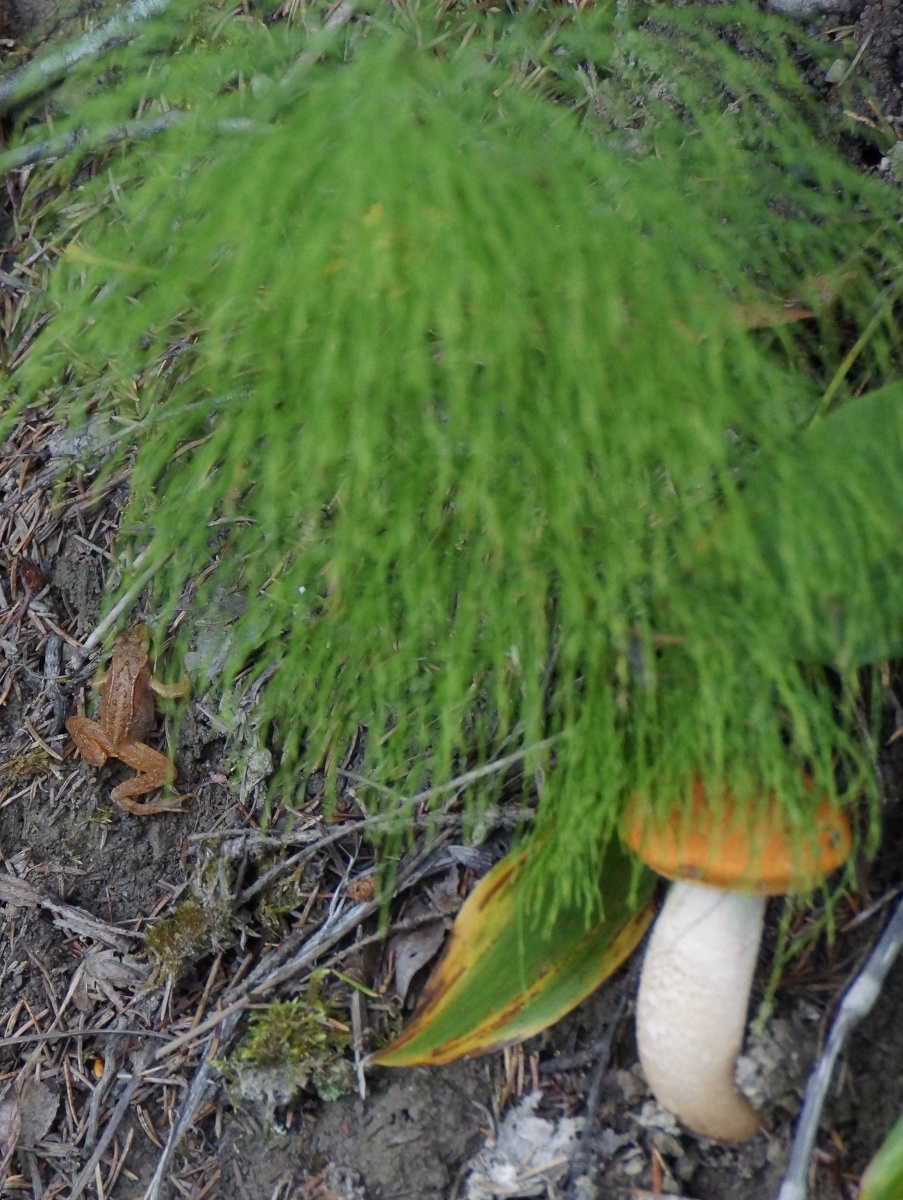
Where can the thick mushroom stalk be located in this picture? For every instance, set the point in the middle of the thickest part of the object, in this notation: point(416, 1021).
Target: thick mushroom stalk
point(692, 1002)
point(694, 988)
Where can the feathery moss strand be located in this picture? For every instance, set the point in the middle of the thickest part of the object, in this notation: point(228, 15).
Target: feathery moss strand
point(460, 387)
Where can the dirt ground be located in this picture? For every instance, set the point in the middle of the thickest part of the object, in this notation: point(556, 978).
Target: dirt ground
point(82, 882)
point(417, 1129)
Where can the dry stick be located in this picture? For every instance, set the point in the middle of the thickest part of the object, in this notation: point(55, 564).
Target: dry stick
point(103, 1085)
point(259, 980)
point(236, 842)
point(459, 781)
point(31, 78)
point(52, 660)
point(276, 872)
point(89, 1031)
point(121, 605)
point(41, 482)
point(381, 822)
point(218, 1018)
point(252, 841)
point(337, 19)
point(274, 971)
point(264, 979)
point(87, 139)
point(863, 46)
point(855, 1005)
point(90, 140)
point(191, 1103)
point(22, 894)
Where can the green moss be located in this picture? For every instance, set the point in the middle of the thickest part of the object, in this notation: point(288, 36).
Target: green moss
point(178, 941)
point(293, 1045)
point(294, 1030)
point(456, 386)
point(284, 895)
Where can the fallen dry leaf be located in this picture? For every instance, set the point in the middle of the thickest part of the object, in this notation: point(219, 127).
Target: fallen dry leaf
point(38, 1105)
point(10, 1125)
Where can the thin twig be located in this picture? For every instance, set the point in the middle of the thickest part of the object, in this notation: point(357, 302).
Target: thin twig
point(257, 983)
point(357, 1031)
point(460, 781)
point(41, 482)
point(89, 1031)
point(855, 1005)
point(863, 46)
point(379, 821)
point(264, 979)
point(87, 140)
point(90, 140)
point(52, 659)
point(337, 19)
point(119, 607)
point(34, 76)
point(238, 842)
point(111, 1060)
point(203, 1078)
point(220, 1017)
point(277, 871)
point(22, 894)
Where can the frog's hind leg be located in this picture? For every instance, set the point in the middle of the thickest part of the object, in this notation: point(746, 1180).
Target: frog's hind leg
point(147, 808)
point(154, 771)
point(90, 740)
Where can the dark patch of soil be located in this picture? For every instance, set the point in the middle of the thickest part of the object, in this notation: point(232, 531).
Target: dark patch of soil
point(880, 30)
point(406, 1141)
point(78, 577)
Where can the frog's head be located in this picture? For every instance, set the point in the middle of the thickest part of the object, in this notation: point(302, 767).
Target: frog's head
point(137, 638)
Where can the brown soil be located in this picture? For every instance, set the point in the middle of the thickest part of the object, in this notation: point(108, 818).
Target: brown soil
point(880, 28)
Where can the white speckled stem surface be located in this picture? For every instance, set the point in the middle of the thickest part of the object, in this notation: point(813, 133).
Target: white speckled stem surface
point(692, 1002)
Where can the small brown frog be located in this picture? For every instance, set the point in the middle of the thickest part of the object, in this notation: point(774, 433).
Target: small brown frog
point(126, 718)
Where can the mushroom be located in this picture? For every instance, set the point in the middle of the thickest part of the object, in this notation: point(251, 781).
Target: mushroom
point(725, 858)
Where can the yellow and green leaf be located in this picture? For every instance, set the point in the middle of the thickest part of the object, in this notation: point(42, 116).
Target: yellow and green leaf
point(884, 1178)
point(508, 973)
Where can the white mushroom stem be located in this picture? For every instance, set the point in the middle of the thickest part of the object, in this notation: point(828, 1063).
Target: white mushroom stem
point(692, 1002)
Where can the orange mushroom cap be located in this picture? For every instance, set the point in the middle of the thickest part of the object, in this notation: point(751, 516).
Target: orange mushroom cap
point(733, 846)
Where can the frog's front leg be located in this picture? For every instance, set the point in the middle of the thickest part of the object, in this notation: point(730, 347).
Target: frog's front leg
point(154, 771)
point(171, 691)
point(91, 740)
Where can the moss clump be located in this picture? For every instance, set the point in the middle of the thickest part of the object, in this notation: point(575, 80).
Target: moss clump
point(292, 1046)
point(178, 941)
point(284, 896)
